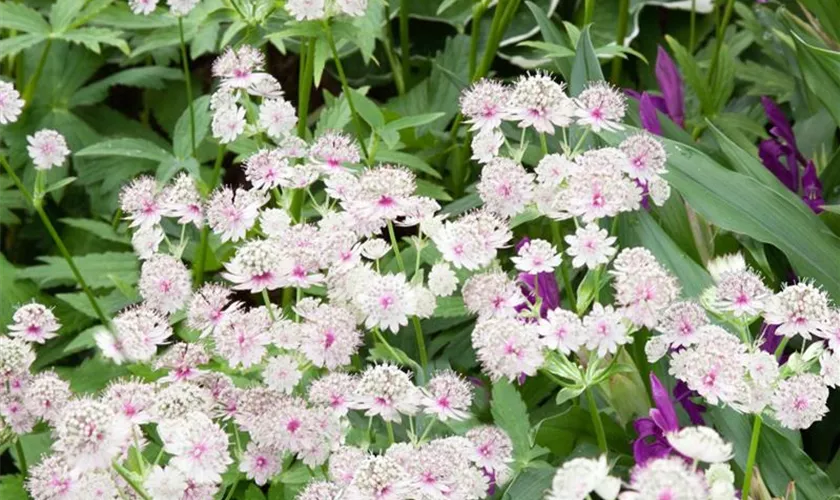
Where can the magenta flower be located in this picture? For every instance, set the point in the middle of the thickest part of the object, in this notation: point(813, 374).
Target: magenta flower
point(651, 430)
point(547, 290)
point(671, 102)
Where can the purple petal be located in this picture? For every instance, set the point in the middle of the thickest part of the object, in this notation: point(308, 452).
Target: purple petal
point(812, 192)
point(647, 113)
point(645, 426)
point(665, 416)
point(694, 410)
point(770, 151)
point(780, 126)
point(646, 449)
point(670, 83)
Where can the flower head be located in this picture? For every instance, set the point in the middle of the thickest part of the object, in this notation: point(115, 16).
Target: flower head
point(537, 256)
point(700, 443)
point(507, 347)
point(800, 309)
point(277, 117)
point(442, 280)
point(142, 203)
point(47, 149)
point(34, 323)
point(485, 104)
point(335, 390)
point(605, 330)
point(579, 477)
point(90, 434)
point(387, 391)
point(590, 246)
point(540, 102)
point(199, 447)
point(137, 333)
point(562, 330)
point(800, 401)
point(600, 106)
point(447, 396)
point(307, 10)
point(505, 187)
point(239, 68)
point(11, 104)
point(333, 150)
point(231, 214)
point(165, 283)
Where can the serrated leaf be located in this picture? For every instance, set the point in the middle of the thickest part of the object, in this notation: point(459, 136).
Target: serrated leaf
point(127, 147)
point(63, 12)
point(450, 307)
point(19, 17)
point(94, 267)
point(97, 228)
point(92, 37)
point(432, 190)
point(146, 77)
point(511, 414)
point(11, 46)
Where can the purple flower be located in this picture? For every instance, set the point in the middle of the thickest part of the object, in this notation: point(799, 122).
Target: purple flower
point(671, 102)
point(547, 290)
point(783, 145)
point(683, 396)
point(651, 430)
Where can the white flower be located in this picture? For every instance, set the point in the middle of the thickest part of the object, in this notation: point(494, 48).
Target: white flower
point(90, 434)
point(352, 8)
point(601, 107)
point(10, 103)
point(485, 145)
point(304, 10)
point(447, 396)
point(493, 451)
point(562, 330)
point(165, 483)
point(181, 7)
point(700, 443)
point(800, 309)
point(198, 445)
point(579, 477)
point(590, 246)
point(228, 123)
point(646, 156)
point(387, 391)
point(668, 477)
point(540, 102)
point(386, 302)
point(281, 374)
point(605, 330)
point(144, 7)
point(47, 148)
point(442, 280)
point(232, 215)
point(800, 401)
point(260, 463)
point(165, 283)
point(485, 104)
point(505, 187)
point(491, 294)
point(277, 117)
point(507, 348)
point(537, 256)
point(34, 323)
point(375, 248)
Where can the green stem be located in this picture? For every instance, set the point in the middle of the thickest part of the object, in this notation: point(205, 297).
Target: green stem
point(781, 348)
point(564, 267)
point(33, 80)
point(36, 204)
point(187, 80)
point(748, 471)
point(596, 421)
point(692, 36)
point(390, 427)
point(232, 489)
point(620, 35)
point(130, 479)
point(396, 247)
point(404, 46)
point(21, 457)
point(475, 33)
point(204, 243)
point(428, 428)
point(543, 144)
point(345, 87)
point(305, 78)
point(588, 10)
point(501, 20)
point(388, 39)
point(721, 31)
point(418, 329)
point(267, 302)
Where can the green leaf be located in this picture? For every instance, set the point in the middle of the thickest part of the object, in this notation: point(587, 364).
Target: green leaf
point(586, 67)
point(723, 83)
point(14, 293)
point(368, 110)
point(92, 375)
point(413, 121)
point(92, 37)
point(146, 77)
point(690, 71)
point(552, 35)
point(167, 169)
point(450, 307)
point(821, 69)
point(59, 184)
point(778, 459)
point(94, 267)
point(11, 46)
point(381, 352)
point(19, 17)
point(828, 14)
point(10, 199)
point(127, 147)
point(586, 291)
point(445, 4)
point(97, 228)
point(12, 487)
point(408, 160)
point(511, 414)
point(63, 12)
point(432, 190)
point(531, 483)
point(741, 204)
point(182, 145)
point(561, 433)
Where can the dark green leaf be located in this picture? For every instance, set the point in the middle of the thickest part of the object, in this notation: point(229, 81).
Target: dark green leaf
point(511, 414)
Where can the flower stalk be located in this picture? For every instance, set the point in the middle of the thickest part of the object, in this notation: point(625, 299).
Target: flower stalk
point(748, 471)
point(188, 84)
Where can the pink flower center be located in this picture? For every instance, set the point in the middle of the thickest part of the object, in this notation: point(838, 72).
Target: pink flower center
point(293, 425)
point(386, 301)
point(198, 450)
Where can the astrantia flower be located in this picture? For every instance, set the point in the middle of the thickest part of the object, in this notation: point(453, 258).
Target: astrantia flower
point(646, 156)
point(579, 477)
point(485, 104)
point(232, 215)
point(16, 356)
point(333, 150)
point(181, 7)
point(281, 373)
point(137, 333)
point(800, 401)
point(260, 463)
point(335, 390)
point(47, 149)
point(165, 283)
point(540, 102)
point(257, 265)
point(177, 401)
point(181, 199)
point(90, 434)
point(537, 256)
point(505, 187)
point(182, 361)
point(382, 478)
point(553, 169)
point(306, 10)
point(344, 462)
point(165, 483)
point(681, 321)
point(146, 240)
point(447, 396)
point(277, 117)
point(352, 8)
point(52, 479)
point(491, 294)
point(643, 288)
point(46, 395)
point(605, 330)
point(387, 391)
point(714, 366)
point(144, 7)
point(386, 302)
point(659, 191)
point(663, 478)
point(15, 414)
point(209, 307)
point(493, 451)
point(561, 330)
point(738, 289)
point(228, 123)
point(384, 193)
point(241, 339)
point(199, 447)
point(798, 309)
point(507, 348)
point(442, 280)
point(10, 103)
point(700, 443)
point(239, 68)
point(329, 338)
point(34, 323)
point(265, 169)
point(141, 202)
point(375, 248)
point(318, 489)
point(131, 398)
point(485, 145)
point(600, 106)
point(590, 246)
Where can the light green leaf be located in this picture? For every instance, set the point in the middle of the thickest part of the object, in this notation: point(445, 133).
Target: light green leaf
point(110, 303)
point(92, 37)
point(127, 147)
point(586, 67)
point(381, 352)
point(450, 307)
point(59, 184)
point(14, 292)
point(531, 483)
point(408, 160)
point(17, 16)
point(511, 414)
point(432, 190)
point(821, 69)
point(63, 12)
point(368, 110)
point(146, 77)
point(94, 267)
point(182, 145)
point(97, 228)
point(413, 121)
point(167, 169)
point(11, 46)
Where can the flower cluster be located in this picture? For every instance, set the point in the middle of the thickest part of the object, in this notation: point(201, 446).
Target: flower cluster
point(314, 10)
